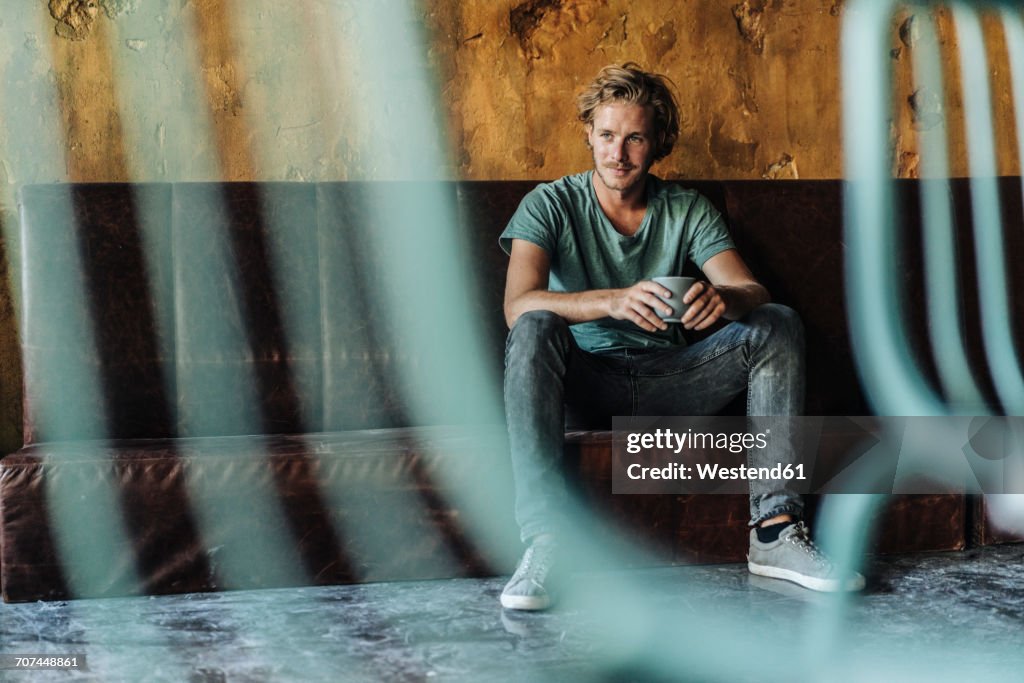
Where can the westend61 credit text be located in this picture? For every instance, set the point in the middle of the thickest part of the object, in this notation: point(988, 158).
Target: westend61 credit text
point(715, 472)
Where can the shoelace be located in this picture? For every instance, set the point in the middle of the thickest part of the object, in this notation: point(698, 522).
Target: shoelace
point(537, 560)
point(802, 538)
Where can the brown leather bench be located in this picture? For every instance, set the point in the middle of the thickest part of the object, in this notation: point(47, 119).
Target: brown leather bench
point(154, 308)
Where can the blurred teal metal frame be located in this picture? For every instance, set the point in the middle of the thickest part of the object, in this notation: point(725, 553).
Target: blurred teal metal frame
point(892, 379)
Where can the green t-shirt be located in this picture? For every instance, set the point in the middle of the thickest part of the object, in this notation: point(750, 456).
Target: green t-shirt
point(564, 218)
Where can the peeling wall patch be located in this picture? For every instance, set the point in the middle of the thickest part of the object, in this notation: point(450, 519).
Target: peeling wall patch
point(749, 16)
point(908, 165)
point(74, 17)
point(783, 169)
point(525, 17)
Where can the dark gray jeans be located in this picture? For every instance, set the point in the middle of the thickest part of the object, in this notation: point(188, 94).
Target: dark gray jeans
point(547, 376)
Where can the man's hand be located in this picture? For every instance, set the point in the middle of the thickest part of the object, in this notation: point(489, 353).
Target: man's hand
point(639, 303)
point(731, 293)
point(706, 306)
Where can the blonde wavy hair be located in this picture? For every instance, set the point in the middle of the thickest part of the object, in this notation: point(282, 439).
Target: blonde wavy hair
point(628, 83)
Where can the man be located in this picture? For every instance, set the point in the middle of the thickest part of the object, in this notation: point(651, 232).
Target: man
point(586, 337)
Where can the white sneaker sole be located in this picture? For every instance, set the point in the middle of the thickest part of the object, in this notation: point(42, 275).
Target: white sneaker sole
point(525, 602)
point(855, 583)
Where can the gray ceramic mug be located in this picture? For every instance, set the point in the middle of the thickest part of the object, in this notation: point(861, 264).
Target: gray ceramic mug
point(679, 286)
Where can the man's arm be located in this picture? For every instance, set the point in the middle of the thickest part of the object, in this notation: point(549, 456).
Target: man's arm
point(732, 292)
point(526, 289)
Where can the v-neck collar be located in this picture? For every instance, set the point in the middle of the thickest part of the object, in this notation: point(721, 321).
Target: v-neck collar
point(606, 222)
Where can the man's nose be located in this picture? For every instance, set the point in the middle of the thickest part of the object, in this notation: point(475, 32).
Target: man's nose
point(619, 150)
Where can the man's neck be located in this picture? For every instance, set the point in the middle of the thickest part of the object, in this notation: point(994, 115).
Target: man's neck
point(624, 209)
point(620, 201)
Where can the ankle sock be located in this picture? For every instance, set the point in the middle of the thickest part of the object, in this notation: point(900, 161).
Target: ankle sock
point(770, 533)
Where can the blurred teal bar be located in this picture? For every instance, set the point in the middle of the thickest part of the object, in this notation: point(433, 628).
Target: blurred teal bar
point(83, 501)
point(420, 258)
point(892, 382)
point(985, 205)
point(940, 249)
point(85, 510)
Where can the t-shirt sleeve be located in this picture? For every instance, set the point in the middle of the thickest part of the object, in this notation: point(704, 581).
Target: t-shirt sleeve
point(538, 219)
point(709, 235)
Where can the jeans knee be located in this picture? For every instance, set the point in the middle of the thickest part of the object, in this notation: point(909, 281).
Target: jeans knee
point(536, 328)
point(781, 324)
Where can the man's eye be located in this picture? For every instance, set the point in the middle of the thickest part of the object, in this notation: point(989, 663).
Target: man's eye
point(636, 139)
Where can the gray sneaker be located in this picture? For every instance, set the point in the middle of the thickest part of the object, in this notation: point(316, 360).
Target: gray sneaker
point(529, 588)
point(794, 557)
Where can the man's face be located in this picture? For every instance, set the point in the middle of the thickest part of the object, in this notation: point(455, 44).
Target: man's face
point(622, 139)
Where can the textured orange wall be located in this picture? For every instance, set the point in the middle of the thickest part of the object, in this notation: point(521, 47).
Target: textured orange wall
point(277, 86)
point(759, 84)
point(757, 80)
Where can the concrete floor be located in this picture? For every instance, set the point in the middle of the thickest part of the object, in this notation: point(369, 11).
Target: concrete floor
point(946, 616)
